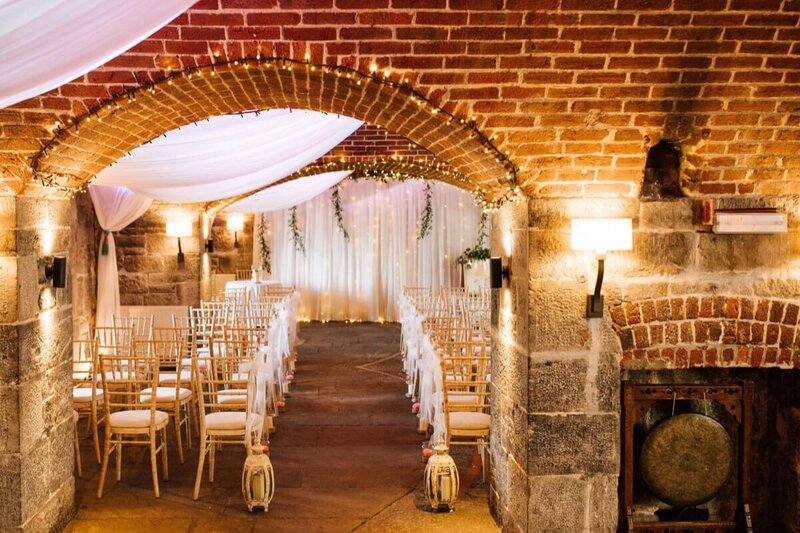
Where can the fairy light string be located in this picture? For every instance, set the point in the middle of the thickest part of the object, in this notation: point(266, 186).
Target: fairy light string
point(63, 128)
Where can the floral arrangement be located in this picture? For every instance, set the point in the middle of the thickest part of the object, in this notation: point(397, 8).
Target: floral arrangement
point(336, 200)
point(294, 230)
point(479, 252)
point(426, 219)
point(266, 252)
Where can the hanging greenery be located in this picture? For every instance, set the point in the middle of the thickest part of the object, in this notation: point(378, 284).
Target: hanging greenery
point(426, 219)
point(336, 200)
point(266, 253)
point(479, 252)
point(294, 230)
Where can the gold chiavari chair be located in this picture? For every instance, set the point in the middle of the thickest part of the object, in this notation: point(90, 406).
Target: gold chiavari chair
point(129, 421)
point(110, 340)
point(87, 397)
point(243, 274)
point(172, 397)
point(466, 367)
point(224, 405)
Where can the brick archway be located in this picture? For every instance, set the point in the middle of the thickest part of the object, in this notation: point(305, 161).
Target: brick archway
point(82, 148)
point(708, 331)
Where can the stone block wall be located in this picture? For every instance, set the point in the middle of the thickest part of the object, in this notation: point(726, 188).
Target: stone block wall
point(85, 235)
point(226, 258)
point(149, 273)
point(36, 451)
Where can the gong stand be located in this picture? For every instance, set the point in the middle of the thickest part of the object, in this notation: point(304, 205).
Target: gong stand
point(737, 400)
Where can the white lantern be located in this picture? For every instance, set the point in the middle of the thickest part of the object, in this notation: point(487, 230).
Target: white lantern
point(441, 479)
point(258, 480)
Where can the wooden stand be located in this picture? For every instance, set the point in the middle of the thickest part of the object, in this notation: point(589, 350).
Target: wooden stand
point(737, 400)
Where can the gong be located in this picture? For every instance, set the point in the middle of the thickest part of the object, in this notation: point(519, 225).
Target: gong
point(687, 459)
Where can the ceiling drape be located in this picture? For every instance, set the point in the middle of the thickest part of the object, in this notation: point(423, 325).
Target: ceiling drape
point(116, 208)
point(228, 155)
point(289, 194)
point(47, 43)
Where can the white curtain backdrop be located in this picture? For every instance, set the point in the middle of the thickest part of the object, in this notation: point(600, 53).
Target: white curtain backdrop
point(116, 207)
point(289, 194)
point(362, 279)
point(228, 155)
point(47, 43)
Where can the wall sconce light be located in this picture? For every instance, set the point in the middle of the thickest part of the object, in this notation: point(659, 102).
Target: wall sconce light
point(210, 246)
point(498, 272)
point(600, 235)
point(235, 224)
point(179, 228)
point(56, 270)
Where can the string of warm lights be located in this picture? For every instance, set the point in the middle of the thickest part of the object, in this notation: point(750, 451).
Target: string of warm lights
point(70, 126)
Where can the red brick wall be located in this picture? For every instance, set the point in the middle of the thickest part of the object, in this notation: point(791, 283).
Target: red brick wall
point(574, 90)
point(708, 331)
point(371, 142)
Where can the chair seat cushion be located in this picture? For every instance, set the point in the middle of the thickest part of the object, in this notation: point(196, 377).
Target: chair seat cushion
point(202, 362)
point(228, 420)
point(462, 399)
point(165, 394)
point(469, 421)
point(84, 394)
point(169, 377)
point(136, 419)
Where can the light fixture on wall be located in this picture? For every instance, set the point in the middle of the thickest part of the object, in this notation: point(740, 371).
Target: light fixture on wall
point(600, 235)
point(179, 228)
point(235, 224)
point(56, 270)
point(210, 246)
point(498, 272)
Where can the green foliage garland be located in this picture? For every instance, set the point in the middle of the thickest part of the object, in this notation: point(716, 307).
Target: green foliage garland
point(294, 230)
point(266, 252)
point(336, 200)
point(426, 219)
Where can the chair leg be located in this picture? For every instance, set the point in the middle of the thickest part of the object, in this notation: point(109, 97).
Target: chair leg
point(119, 459)
point(78, 465)
point(104, 469)
point(164, 455)
point(95, 433)
point(482, 452)
point(154, 464)
point(211, 460)
point(199, 476)
point(178, 437)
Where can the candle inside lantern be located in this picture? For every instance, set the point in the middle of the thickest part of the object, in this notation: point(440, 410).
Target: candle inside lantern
point(444, 488)
point(258, 484)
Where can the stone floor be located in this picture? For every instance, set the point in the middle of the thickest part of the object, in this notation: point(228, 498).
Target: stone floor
point(346, 458)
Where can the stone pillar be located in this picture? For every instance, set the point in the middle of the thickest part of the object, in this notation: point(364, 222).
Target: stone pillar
point(573, 386)
point(509, 440)
point(36, 430)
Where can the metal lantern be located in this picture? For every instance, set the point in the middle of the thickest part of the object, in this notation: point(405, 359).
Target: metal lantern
point(441, 479)
point(258, 480)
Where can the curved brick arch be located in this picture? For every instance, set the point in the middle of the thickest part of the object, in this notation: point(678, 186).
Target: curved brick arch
point(708, 331)
point(378, 169)
point(84, 147)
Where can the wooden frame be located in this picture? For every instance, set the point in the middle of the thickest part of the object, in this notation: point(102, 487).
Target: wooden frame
point(736, 399)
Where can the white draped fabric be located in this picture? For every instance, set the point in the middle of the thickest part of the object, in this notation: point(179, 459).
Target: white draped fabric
point(362, 279)
point(116, 207)
point(47, 43)
point(289, 194)
point(228, 155)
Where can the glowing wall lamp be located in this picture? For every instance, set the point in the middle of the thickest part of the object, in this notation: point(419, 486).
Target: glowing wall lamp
point(235, 224)
point(179, 228)
point(600, 235)
point(498, 272)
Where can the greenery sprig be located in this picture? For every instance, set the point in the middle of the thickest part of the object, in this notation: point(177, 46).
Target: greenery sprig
point(426, 219)
point(479, 252)
point(294, 230)
point(266, 252)
point(336, 200)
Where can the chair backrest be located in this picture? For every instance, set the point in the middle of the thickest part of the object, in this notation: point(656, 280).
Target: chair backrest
point(111, 339)
point(243, 274)
point(224, 387)
point(84, 363)
point(141, 326)
point(466, 368)
point(183, 329)
point(124, 376)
